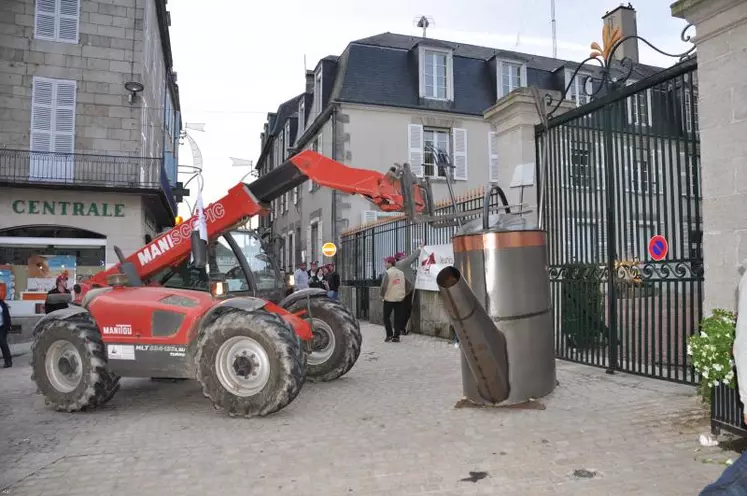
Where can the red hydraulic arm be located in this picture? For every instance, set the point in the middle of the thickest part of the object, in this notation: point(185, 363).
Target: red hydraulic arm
point(244, 201)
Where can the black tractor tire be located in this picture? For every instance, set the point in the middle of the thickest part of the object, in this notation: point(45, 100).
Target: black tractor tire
point(347, 339)
point(96, 385)
point(280, 348)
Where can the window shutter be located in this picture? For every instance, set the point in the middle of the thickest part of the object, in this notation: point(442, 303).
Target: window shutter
point(460, 154)
point(41, 115)
point(64, 117)
point(308, 243)
point(320, 240)
point(649, 109)
point(46, 19)
point(493, 154)
point(68, 20)
point(415, 143)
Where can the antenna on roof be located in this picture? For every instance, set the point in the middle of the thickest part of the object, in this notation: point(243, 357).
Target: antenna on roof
point(304, 63)
point(424, 22)
point(554, 32)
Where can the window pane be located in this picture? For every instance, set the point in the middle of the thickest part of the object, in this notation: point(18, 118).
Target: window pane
point(263, 270)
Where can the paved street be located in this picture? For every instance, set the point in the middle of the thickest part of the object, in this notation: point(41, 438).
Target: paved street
point(388, 427)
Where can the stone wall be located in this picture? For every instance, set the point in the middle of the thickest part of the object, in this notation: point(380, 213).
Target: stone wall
point(108, 54)
point(721, 27)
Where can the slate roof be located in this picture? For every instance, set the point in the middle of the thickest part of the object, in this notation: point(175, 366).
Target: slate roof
point(384, 70)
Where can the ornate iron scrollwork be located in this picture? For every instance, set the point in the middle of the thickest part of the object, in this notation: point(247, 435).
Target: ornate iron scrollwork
point(612, 72)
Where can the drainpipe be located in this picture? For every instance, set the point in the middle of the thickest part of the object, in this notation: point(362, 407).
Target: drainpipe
point(335, 109)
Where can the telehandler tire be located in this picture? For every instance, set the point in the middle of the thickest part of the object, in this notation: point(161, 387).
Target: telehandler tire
point(337, 339)
point(69, 364)
point(249, 363)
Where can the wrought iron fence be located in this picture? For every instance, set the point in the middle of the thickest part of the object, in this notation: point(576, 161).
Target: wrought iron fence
point(620, 170)
point(363, 250)
point(83, 170)
point(727, 412)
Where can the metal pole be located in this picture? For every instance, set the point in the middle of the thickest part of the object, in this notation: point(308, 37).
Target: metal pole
point(554, 31)
point(611, 240)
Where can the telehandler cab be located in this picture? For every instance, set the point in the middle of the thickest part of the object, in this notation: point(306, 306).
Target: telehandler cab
point(212, 311)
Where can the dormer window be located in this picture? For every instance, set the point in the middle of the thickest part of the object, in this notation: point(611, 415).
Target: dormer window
point(288, 140)
point(301, 116)
point(511, 75)
point(577, 92)
point(318, 92)
point(436, 74)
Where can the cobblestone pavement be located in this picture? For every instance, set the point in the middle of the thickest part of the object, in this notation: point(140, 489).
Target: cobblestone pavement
point(388, 427)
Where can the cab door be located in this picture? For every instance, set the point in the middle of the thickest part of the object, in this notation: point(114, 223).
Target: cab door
point(261, 272)
point(224, 259)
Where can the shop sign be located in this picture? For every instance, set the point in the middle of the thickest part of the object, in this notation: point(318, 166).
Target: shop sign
point(66, 208)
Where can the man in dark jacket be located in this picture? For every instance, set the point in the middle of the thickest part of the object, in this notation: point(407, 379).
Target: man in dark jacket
point(4, 330)
point(333, 283)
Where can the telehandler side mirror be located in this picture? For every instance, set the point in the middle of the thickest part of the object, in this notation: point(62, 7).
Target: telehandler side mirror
point(199, 250)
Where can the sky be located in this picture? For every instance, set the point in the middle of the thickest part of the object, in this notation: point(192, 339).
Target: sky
point(237, 60)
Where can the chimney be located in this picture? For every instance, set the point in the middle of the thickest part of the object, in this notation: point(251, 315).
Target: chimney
point(309, 81)
point(624, 17)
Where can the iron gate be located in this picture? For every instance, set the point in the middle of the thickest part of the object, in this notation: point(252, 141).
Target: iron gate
point(620, 170)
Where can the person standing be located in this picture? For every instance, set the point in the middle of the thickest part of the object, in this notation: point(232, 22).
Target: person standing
point(333, 283)
point(301, 277)
point(4, 330)
point(405, 265)
point(60, 287)
point(394, 287)
point(733, 480)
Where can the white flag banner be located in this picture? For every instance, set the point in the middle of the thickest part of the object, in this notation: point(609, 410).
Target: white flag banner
point(201, 223)
point(432, 260)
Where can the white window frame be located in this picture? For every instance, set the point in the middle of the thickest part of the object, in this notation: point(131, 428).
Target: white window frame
point(691, 106)
point(301, 117)
point(448, 135)
point(315, 147)
point(318, 84)
point(316, 221)
point(424, 53)
point(576, 91)
point(595, 148)
point(288, 140)
point(290, 242)
point(499, 69)
point(634, 110)
point(57, 16)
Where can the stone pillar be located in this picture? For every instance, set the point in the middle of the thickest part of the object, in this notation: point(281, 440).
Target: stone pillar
point(514, 117)
point(721, 28)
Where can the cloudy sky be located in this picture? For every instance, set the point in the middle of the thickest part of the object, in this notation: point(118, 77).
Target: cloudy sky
point(238, 60)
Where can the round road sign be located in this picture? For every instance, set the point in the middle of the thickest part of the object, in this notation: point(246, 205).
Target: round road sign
point(658, 247)
point(329, 249)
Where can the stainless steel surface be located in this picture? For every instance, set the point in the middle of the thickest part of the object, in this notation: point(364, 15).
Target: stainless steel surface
point(507, 273)
point(483, 346)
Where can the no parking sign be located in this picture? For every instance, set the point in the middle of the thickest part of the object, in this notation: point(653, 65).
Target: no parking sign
point(658, 247)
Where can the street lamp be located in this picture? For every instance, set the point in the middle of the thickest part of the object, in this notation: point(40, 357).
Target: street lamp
point(242, 162)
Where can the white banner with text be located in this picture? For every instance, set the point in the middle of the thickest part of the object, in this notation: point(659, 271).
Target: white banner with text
point(432, 260)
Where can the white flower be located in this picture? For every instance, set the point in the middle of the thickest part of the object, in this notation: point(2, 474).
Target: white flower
point(718, 367)
point(705, 373)
point(715, 383)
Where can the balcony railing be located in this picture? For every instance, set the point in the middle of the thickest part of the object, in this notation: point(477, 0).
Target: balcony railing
point(82, 170)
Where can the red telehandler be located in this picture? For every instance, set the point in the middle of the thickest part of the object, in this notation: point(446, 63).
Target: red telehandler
point(183, 308)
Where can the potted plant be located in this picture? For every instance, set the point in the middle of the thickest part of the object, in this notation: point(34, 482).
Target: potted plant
point(712, 352)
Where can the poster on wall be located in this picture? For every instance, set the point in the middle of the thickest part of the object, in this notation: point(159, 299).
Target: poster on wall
point(43, 271)
point(433, 258)
point(7, 283)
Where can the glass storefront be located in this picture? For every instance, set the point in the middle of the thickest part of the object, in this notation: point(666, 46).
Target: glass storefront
point(31, 258)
